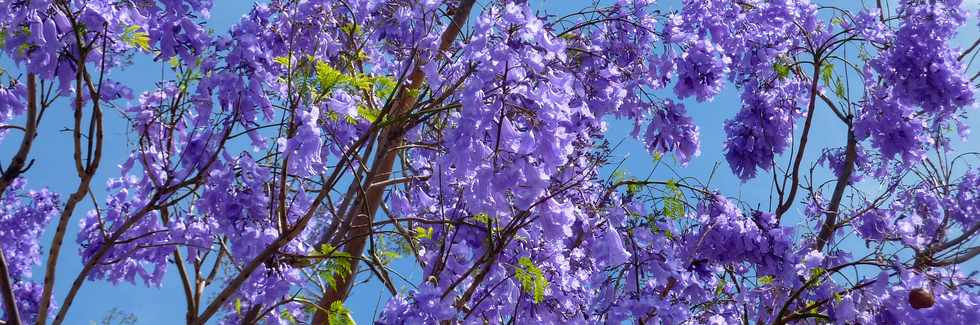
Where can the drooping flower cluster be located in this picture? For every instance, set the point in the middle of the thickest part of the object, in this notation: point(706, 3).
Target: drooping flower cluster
point(24, 215)
point(751, 43)
point(727, 236)
point(920, 69)
point(923, 88)
point(700, 70)
point(671, 130)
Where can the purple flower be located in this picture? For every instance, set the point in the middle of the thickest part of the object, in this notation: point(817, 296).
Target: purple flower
point(672, 130)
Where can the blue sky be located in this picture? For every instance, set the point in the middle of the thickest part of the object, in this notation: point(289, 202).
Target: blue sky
point(166, 306)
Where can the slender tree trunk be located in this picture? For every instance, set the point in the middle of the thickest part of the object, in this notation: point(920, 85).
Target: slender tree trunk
point(366, 205)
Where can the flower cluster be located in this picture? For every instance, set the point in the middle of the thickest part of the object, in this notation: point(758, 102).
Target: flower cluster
point(24, 215)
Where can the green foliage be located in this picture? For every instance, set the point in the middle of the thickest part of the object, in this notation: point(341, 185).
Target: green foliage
point(766, 280)
point(285, 314)
point(324, 78)
point(654, 229)
point(336, 264)
point(674, 201)
point(781, 69)
point(174, 62)
point(482, 218)
point(132, 36)
point(633, 188)
point(340, 315)
point(367, 113)
point(385, 86)
point(327, 76)
point(423, 233)
point(531, 278)
point(22, 48)
point(282, 60)
point(351, 29)
point(827, 73)
point(839, 88)
point(815, 275)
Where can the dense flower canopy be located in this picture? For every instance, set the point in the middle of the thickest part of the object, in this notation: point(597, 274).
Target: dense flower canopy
point(305, 150)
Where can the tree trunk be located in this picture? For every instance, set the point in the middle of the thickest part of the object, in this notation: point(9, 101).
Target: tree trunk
point(365, 206)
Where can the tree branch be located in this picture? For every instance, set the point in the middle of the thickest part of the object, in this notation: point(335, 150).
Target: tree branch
point(785, 205)
point(85, 173)
point(366, 205)
point(958, 258)
point(829, 224)
point(13, 316)
point(16, 166)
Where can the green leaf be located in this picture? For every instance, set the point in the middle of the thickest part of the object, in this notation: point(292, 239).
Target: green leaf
point(362, 82)
point(340, 315)
point(674, 201)
point(413, 92)
point(288, 316)
point(839, 88)
point(766, 280)
point(531, 278)
point(351, 29)
point(827, 74)
point(174, 62)
point(720, 288)
point(816, 273)
point(367, 113)
point(238, 306)
point(336, 263)
point(282, 60)
point(482, 218)
point(386, 86)
point(22, 48)
point(143, 40)
point(327, 76)
point(132, 36)
point(781, 69)
point(423, 233)
point(633, 188)
point(389, 256)
point(131, 29)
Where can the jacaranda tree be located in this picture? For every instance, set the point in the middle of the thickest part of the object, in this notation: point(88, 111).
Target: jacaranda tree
point(300, 153)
